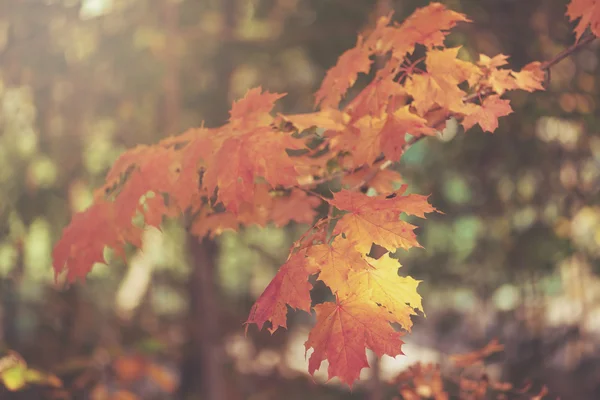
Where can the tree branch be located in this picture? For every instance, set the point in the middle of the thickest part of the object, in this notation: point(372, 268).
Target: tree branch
point(568, 51)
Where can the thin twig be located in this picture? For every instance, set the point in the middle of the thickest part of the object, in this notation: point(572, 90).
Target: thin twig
point(568, 51)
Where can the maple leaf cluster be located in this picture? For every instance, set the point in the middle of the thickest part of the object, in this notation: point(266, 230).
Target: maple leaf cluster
point(261, 169)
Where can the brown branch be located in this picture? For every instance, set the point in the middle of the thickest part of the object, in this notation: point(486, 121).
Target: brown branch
point(568, 51)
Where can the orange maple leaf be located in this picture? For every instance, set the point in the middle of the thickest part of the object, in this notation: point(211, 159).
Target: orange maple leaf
point(428, 26)
point(188, 190)
point(232, 173)
point(328, 119)
point(382, 93)
point(589, 12)
point(83, 241)
point(397, 125)
point(530, 77)
point(246, 149)
point(254, 107)
point(377, 219)
point(500, 80)
point(289, 287)
point(343, 75)
point(369, 136)
point(123, 165)
point(487, 114)
point(361, 139)
point(439, 85)
point(266, 207)
point(335, 261)
point(385, 182)
point(243, 157)
point(343, 332)
point(298, 206)
point(494, 62)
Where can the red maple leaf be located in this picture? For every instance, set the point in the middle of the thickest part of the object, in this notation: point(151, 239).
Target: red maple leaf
point(589, 12)
point(289, 287)
point(254, 105)
point(83, 241)
point(377, 219)
point(343, 332)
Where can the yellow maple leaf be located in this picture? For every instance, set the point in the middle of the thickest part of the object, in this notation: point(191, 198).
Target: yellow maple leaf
point(335, 261)
point(380, 281)
point(439, 85)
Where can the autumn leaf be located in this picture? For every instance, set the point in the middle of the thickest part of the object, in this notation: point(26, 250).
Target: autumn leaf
point(487, 114)
point(384, 182)
point(83, 241)
point(428, 26)
point(397, 125)
point(197, 148)
point(492, 62)
point(232, 174)
point(244, 157)
point(346, 272)
point(328, 119)
point(380, 280)
point(439, 85)
point(343, 75)
point(381, 94)
point(377, 219)
point(343, 332)
point(368, 137)
point(124, 164)
point(589, 12)
point(266, 207)
point(362, 140)
point(254, 107)
point(297, 206)
point(500, 80)
point(335, 261)
point(530, 78)
point(289, 287)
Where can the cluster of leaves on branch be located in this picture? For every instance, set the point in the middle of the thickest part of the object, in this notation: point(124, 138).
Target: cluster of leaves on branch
point(262, 169)
point(426, 381)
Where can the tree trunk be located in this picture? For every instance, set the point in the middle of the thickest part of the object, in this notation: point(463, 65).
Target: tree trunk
point(202, 371)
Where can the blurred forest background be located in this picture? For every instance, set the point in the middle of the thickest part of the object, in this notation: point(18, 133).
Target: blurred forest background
point(516, 256)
